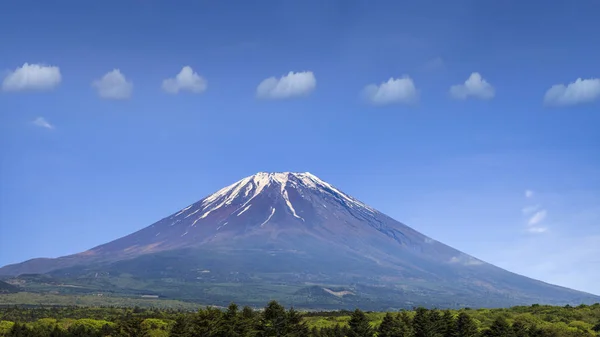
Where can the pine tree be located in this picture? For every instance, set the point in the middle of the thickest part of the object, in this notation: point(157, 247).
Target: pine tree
point(181, 327)
point(296, 327)
point(499, 328)
point(273, 320)
point(465, 326)
point(359, 325)
point(425, 323)
point(448, 324)
point(392, 326)
point(231, 323)
point(436, 322)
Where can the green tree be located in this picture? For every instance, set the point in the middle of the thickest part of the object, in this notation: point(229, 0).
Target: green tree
point(448, 324)
point(519, 329)
point(499, 328)
point(19, 330)
point(596, 328)
point(359, 325)
point(207, 323)
point(465, 326)
point(296, 327)
point(182, 327)
point(273, 321)
point(392, 326)
point(426, 323)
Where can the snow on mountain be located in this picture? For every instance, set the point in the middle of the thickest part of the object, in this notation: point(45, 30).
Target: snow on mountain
point(314, 232)
point(264, 208)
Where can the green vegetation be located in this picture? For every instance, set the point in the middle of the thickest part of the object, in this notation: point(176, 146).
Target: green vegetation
point(275, 320)
point(38, 299)
point(6, 288)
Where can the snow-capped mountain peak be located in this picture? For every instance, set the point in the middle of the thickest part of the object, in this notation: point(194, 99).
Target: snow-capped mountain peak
point(249, 188)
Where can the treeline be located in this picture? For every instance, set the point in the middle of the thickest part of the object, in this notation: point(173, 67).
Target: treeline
point(275, 320)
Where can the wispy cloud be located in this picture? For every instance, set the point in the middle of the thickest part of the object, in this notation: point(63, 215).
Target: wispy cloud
point(32, 77)
point(395, 90)
point(43, 123)
point(113, 85)
point(537, 217)
point(580, 91)
point(475, 86)
point(294, 84)
point(537, 229)
point(186, 80)
point(530, 209)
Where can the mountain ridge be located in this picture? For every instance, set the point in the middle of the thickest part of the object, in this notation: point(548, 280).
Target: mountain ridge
point(273, 228)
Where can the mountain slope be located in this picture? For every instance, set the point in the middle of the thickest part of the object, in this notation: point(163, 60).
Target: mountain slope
point(295, 229)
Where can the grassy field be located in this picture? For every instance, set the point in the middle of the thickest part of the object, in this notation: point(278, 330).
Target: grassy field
point(35, 299)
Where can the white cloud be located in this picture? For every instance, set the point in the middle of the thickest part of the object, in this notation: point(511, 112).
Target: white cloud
point(537, 230)
point(294, 84)
point(395, 90)
point(32, 77)
point(528, 194)
point(537, 217)
point(530, 209)
point(187, 79)
point(475, 86)
point(580, 91)
point(113, 85)
point(43, 123)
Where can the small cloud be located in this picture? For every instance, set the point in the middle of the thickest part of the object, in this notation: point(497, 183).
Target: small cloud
point(113, 85)
point(475, 86)
point(395, 90)
point(294, 84)
point(43, 123)
point(187, 79)
point(580, 91)
point(528, 194)
point(530, 209)
point(32, 77)
point(537, 217)
point(537, 230)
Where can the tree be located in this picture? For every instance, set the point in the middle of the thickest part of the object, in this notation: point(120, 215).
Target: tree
point(425, 323)
point(392, 326)
point(19, 330)
point(448, 324)
point(208, 323)
point(465, 326)
point(499, 328)
point(273, 320)
point(296, 327)
point(519, 329)
point(359, 325)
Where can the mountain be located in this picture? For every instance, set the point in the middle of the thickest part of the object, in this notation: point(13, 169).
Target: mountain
point(6, 288)
point(295, 238)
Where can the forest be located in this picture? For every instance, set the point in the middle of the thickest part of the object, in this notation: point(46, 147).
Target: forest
point(276, 320)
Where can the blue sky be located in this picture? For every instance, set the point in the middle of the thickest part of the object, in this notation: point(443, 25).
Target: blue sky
point(89, 153)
